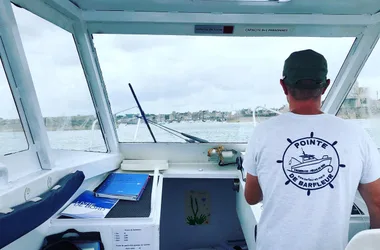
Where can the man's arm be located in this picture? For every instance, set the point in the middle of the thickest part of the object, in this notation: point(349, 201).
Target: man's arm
point(371, 195)
point(369, 185)
point(252, 192)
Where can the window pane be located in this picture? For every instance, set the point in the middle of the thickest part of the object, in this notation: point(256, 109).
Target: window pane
point(208, 87)
point(362, 104)
point(60, 84)
point(12, 134)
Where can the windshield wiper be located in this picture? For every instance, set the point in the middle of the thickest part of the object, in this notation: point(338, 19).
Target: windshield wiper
point(191, 138)
point(142, 113)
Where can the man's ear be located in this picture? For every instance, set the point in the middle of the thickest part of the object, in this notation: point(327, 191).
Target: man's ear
point(327, 85)
point(284, 87)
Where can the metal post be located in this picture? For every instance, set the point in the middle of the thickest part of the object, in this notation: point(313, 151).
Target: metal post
point(23, 86)
point(95, 82)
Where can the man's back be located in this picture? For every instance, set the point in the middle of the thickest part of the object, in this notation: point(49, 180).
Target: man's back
point(309, 168)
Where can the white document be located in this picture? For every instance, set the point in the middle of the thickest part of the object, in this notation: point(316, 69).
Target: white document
point(133, 237)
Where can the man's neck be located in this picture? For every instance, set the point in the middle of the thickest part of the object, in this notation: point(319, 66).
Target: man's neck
point(305, 108)
point(306, 111)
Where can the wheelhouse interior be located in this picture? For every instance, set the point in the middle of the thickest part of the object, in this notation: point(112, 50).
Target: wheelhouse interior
point(153, 86)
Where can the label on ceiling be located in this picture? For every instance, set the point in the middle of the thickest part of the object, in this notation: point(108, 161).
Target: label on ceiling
point(266, 30)
point(213, 29)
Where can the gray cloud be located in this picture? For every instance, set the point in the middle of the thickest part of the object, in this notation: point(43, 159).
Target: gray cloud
point(7, 109)
point(135, 46)
point(214, 72)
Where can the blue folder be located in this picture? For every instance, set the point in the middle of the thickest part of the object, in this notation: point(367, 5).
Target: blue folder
point(124, 186)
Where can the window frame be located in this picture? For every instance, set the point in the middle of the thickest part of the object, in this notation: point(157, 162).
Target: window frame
point(16, 99)
point(357, 75)
point(104, 147)
point(92, 95)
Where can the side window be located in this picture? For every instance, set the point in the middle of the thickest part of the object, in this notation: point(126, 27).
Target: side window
point(60, 83)
point(12, 134)
point(362, 104)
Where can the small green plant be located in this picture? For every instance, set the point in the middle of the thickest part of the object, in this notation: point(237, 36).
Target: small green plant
point(190, 220)
point(202, 218)
point(194, 220)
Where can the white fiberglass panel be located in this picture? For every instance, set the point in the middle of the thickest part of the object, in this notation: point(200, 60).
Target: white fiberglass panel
point(338, 7)
point(208, 87)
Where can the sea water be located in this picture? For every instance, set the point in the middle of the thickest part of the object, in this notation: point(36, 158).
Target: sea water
point(212, 131)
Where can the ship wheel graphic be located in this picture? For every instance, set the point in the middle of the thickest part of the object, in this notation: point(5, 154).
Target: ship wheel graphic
point(306, 170)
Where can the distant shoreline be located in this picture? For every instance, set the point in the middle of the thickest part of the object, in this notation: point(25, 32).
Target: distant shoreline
point(249, 119)
point(240, 119)
point(16, 128)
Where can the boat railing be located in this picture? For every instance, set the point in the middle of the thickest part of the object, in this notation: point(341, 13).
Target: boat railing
point(114, 115)
point(265, 108)
point(139, 120)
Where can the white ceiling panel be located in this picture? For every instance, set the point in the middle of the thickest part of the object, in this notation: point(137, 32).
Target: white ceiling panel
point(333, 7)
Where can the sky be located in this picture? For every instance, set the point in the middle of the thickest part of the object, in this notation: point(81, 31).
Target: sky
point(168, 73)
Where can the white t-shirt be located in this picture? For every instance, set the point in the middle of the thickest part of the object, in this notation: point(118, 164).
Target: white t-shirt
point(309, 168)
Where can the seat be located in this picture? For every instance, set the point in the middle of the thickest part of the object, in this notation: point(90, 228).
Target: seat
point(365, 240)
point(25, 217)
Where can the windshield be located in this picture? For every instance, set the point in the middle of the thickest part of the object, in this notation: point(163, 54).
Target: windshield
point(208, 87)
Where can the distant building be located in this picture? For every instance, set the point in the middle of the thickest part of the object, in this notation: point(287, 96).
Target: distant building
point(356, 104)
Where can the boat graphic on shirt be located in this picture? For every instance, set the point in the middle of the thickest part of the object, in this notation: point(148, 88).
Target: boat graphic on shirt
point(309, 164)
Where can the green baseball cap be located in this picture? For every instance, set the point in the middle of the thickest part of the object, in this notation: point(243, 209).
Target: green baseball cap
point(305, 65)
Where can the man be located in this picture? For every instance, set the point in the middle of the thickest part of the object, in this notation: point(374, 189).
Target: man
point(306, 166)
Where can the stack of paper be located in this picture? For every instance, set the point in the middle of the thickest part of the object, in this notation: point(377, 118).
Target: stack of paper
point(87, 205)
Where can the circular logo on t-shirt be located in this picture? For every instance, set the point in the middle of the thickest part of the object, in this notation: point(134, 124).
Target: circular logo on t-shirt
point(310, 163)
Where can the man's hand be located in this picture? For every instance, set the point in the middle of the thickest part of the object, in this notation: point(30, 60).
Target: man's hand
point(371, 195)
point(252, 193)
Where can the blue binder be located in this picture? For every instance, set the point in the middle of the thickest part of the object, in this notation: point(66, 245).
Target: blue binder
point(124, 186)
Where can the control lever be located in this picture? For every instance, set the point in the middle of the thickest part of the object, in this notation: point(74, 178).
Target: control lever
point(239, 163)
point(236, 185)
